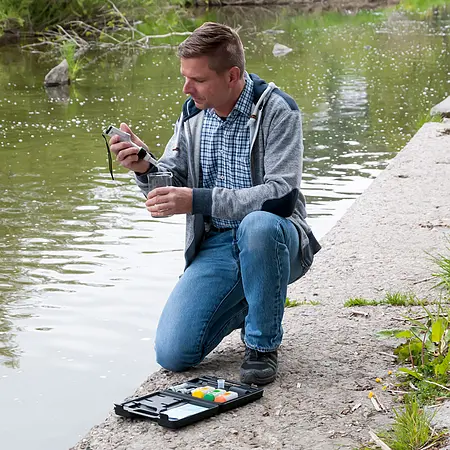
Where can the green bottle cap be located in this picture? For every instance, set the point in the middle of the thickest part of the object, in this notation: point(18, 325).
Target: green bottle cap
point(210, 397)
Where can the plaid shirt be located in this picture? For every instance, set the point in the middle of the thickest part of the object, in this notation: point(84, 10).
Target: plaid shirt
point(225, 149)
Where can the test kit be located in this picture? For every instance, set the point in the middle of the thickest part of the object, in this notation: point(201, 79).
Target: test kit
point(189, 402)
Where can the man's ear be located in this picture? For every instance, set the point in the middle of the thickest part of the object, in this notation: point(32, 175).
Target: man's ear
point(234, 75)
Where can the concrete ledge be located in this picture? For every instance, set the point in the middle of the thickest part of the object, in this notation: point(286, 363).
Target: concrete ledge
point(329, 358)
point(442, 108)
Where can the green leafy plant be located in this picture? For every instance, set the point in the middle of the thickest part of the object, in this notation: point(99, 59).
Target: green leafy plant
point(426, 346)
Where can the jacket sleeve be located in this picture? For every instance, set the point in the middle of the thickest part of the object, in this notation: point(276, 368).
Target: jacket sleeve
point(283, 155)
point(172, 161)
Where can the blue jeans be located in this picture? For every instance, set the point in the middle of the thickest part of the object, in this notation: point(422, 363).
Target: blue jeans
point(238, 278)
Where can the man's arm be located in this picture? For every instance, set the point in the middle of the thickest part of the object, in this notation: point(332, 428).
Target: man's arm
point(171, 161)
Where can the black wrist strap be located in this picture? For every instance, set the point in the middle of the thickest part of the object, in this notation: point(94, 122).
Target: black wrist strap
point(110, 164)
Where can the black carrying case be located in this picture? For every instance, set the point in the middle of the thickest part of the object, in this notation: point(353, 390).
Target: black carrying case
point(175, 410)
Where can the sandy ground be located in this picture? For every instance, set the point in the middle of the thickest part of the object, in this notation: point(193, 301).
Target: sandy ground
point(330, 357)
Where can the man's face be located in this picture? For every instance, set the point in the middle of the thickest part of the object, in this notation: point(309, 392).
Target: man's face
point(207, 88)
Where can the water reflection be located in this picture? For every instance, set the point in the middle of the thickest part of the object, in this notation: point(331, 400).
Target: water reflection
point(84, 270)
point(60, 94)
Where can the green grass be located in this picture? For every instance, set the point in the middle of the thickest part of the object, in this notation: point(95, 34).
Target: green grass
point(427, 393)
point(391, 298)
point(427, 117)
point(402, 299)
point(443, 273)
point(358, 301)
point(293, 303)
point(411, 429)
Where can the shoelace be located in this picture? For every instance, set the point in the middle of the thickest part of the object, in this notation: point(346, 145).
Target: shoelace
point(251, 355)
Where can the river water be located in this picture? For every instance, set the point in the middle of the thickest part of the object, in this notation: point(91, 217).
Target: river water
point(85, 271)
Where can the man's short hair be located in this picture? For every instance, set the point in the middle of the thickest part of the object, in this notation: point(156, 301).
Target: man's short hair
point(220, 43)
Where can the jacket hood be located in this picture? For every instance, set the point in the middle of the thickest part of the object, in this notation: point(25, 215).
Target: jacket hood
point(259, 87)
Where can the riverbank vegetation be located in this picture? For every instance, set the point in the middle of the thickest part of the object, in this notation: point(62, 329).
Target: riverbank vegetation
point(99, 20)
point(34, 16)
point(426, 340)
point(89, 24)
point(425, 377)
point(412, 429)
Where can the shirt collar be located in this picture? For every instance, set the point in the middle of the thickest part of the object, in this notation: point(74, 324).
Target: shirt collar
point(245, 100)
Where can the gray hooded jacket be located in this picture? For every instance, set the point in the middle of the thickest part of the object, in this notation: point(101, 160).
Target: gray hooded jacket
point(276, 152)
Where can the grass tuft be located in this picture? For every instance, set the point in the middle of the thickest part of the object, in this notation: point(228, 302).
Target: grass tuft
point(359, 301)
point(293, 303)
point(427, 117)
point(402, 299)
point(443, 274)
point(391, 298)
point(412, 428)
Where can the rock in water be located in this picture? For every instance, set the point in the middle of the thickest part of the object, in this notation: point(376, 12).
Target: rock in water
point(58, 76)
point(281, 50)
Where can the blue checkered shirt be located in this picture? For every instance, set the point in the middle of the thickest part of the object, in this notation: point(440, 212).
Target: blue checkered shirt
point(225, 149)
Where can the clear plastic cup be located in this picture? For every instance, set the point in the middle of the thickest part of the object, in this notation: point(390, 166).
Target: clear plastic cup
point(159, 179)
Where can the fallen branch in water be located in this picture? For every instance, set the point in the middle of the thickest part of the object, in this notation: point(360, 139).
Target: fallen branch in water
point(55, 40)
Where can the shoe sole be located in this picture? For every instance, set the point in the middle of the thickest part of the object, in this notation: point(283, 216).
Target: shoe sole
point(250, 377)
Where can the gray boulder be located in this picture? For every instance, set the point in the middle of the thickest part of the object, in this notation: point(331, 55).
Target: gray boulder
point(58, 76)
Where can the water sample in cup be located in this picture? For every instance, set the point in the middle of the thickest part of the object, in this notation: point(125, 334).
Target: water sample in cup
point(159, 179)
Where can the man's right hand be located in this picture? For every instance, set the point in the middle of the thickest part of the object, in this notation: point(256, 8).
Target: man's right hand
point(126, 155)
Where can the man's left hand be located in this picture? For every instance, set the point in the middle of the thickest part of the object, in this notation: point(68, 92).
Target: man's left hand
point(168, 200)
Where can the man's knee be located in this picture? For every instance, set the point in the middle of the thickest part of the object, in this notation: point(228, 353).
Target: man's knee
point(174, 354)
point(259, 226)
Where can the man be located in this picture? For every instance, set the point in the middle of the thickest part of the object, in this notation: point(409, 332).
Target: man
point(236, 160)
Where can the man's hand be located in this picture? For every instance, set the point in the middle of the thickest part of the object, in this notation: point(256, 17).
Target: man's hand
point(127, 155)
point(168, 200)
